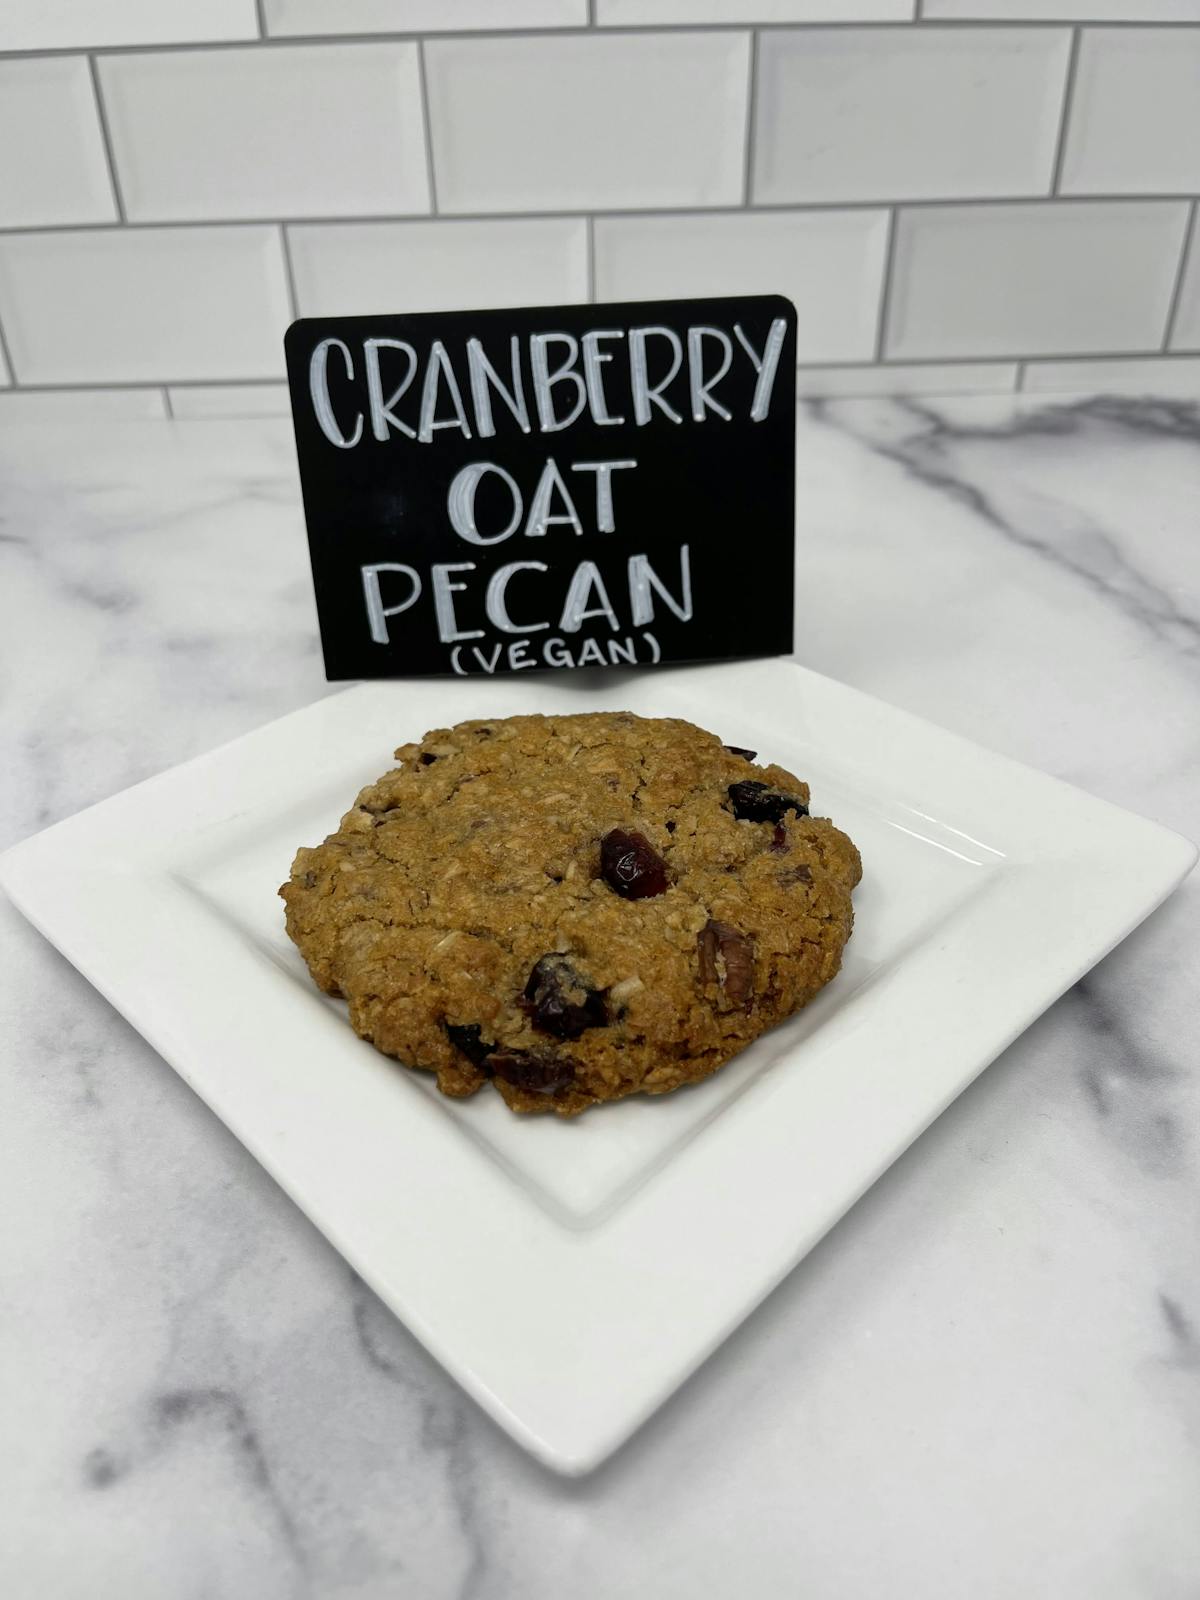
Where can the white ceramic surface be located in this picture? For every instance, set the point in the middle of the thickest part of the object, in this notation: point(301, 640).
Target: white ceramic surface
point(1172, 375)
point(644, 1231)
point(1063, 10)
point(829, 263)
point(52, 167)
point(625, 13)
point(157, 304)
point(401, 16)
point(1135, 118)
point(924, 377)
point(206, 400)
point(352, 269)
point(546, 123)
point(301, 130)
point(1186, 333)
point(907, 114)
point(1022, 280)
point(59, 24)
point(79, 405)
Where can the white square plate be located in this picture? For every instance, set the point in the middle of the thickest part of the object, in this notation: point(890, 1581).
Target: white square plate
point(571, 1274)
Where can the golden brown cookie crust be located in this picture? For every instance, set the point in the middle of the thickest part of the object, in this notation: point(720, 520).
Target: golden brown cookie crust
point(480, 855)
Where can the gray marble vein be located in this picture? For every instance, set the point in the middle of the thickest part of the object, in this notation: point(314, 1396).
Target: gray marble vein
point(1078, 546)
point(1185, 1341)
point(984, 1382)
point(445, 1430)
point(1128, 1081)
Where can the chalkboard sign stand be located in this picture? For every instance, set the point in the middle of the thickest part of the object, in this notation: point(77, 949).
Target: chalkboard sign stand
point(548, 487)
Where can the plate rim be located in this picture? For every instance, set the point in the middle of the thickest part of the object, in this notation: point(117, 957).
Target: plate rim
point(575, 1438)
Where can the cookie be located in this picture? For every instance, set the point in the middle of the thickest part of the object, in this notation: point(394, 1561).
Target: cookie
point(573, 908)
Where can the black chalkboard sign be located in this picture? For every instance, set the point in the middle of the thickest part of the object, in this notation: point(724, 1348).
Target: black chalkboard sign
point(562, 486)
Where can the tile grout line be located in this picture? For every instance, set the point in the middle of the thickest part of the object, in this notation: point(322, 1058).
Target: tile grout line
point(885, 285)
point(276, 41)
point(106, 140)
point(748, 132)
point(1022, 372)
point(7, 361)
point(590, 231)
point(1041, 358)
point(99, 384)
point(1185, 252)
point(1068, 100)
point(1083, 358)
point(289, 271)
point(427, 128)
point(260, 13)
point(634, 213)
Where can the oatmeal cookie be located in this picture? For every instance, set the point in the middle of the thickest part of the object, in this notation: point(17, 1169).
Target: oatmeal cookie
point(573, 908)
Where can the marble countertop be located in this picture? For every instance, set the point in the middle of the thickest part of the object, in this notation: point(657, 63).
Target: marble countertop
point(985, 1382)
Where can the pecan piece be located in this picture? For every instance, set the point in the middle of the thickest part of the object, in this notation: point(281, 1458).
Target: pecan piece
point(727, 959)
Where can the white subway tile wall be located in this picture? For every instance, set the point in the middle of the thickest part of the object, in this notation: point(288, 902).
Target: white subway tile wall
point(1054, 279)
point(1064, 10)
point(588, 121)
point(1134, 375)
point(81, 405)
point(143, 305)
point(957, 194)
point(348, 269)
point(626, 13)
point(211, 401)
point(308, 130)
point(76, 24)
point(930, 377)
point(1135, 118)
point(1186, 332)
point(907, 114)
point(52, 166)
point(419, 16)
point(830, 263)
point(221, 401)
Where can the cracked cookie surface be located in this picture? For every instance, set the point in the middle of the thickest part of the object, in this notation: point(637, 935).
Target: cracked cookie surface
point(573, 908)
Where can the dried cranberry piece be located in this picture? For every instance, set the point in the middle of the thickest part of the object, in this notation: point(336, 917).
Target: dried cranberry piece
point(560, 1002)
point(537, 1074)
point(756, 802)
point(779, 841)
point(727, 958)
point(467, 1037)
point(738, 750)
point(631, 865)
